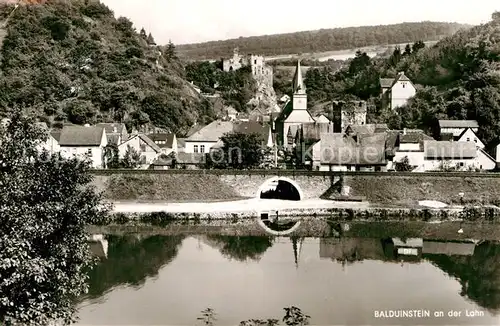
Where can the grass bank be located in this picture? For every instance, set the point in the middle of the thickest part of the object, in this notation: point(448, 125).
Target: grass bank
point(164, 187)
point(406, 191)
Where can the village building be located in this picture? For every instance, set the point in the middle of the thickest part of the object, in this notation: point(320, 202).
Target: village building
point(348, 113)
point(397, 91)
point(167, 142)
point(116, 132)
point(260, 70)
point(208, 136)
point(84, 142)
point(143, 145)
point(295, 112)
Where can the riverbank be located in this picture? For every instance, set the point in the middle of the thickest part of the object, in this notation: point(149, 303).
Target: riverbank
point(382, 189)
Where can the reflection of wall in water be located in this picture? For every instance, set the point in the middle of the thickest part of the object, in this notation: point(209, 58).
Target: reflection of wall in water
point(351, 249)
point(98, 246)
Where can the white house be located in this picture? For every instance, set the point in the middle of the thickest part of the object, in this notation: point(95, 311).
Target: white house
point(397, 91)
point(450, 154)
point(205, 138)
point(148, 150)
point(469, 135)
point(84, 141)
point(485, 161)
point(411, 146)
point(457, 127)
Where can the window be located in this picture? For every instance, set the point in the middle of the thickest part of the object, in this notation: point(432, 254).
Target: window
point(255, 61)
point(468, 139)
point(404, 85)
point(461, 164)
point(475, 140)
point(89, 152)
point(195, 148)
point(202, 148)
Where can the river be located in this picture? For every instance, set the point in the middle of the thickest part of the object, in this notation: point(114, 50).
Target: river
point(169, 280)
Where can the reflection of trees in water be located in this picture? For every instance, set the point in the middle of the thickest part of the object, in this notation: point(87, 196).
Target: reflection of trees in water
point(284, 190)
point(479, 274)
point(243, 248)
point(130, 261)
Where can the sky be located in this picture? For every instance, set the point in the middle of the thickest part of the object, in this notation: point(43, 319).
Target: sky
point(193, 21)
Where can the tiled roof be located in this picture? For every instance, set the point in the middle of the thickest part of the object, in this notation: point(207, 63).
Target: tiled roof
point(168, 138)
point(111, 127)
point(212, 132)
point(56, 134)
point(434, 149)
point(145, 139)
point(340, 149)
point(181, 142)
point(321, 118)
point(414, 137)
point(113, 139)
point(386, 82)
point(312, 131)
point(367, 128)
point(81, 136)
point(194, 129)
point(458, 124)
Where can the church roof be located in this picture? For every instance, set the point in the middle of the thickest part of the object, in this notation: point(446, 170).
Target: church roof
point(298, 85)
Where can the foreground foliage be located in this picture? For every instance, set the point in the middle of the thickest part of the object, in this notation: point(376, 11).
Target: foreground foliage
point(293, 317)
point(45, 204)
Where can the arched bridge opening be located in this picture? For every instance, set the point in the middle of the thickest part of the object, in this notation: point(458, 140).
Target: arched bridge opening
point(280, 188)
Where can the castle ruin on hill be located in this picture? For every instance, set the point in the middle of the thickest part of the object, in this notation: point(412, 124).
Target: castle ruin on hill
point(262, 72)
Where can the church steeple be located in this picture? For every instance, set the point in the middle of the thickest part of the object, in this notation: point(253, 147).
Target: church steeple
point(298, 85)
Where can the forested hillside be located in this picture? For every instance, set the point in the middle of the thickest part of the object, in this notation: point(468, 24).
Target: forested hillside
point(459, 78)
point(73, 61)
point(321, 40)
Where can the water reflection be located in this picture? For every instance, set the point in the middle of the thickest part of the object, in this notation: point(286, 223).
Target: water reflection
point(130, 260)
point(240, 261)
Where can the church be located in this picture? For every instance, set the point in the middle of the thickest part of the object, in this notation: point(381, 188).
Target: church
point(295, 121)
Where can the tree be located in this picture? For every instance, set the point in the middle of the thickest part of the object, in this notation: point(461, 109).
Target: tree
point(242, 150)
point(170, 53)
point(46, 201)
point(407, 50)
point(417, 46)
point(143, 34)
point(131, 159)
point(111, 157)
point(151, 41)
point(403, 165)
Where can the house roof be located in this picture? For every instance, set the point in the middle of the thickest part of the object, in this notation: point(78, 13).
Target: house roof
point(298, 85)
point(414, 137)
point(389, 82)
point(145, 139)
point(194, 129)
point(112, 128)
point(312, 132)
point(367, 128)
point(181, 142)
point(458, 124)
point(386, 82)
point(341, 149)
point(321, 118)
point(434, 149)
point(113, 139)
point(81, 136)
point(168, 138)
point(212, 132)
point(56, 134)
point(252, 127)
